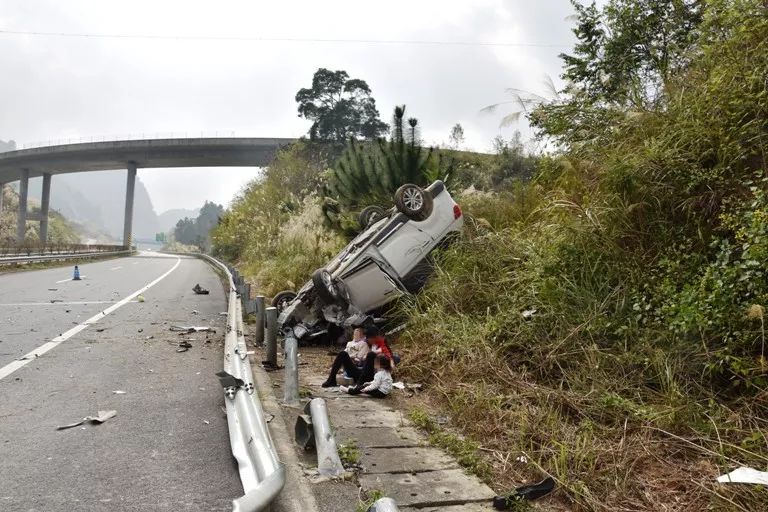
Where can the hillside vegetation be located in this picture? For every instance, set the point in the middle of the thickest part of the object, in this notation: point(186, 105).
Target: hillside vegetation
point(606, 318)
point(60, 230)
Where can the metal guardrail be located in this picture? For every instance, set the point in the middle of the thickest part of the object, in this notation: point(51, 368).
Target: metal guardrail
point(9, 260)
point(55, 249)
point(261, 472)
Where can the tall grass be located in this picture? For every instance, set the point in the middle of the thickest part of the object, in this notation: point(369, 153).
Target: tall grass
point(527, 335)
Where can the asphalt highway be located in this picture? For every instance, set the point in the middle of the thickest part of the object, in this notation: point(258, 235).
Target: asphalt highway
point(67, 347)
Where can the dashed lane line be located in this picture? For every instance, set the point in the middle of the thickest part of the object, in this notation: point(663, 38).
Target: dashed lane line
point(42, 349)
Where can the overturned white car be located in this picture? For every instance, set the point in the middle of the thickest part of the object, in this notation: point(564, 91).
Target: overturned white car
point(389, 258)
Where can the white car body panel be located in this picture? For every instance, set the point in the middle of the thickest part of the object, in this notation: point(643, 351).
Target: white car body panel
point(376, 267)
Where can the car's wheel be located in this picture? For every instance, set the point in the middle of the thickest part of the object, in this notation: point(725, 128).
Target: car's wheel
point(370, 214)
point(413, 201)
point(325, 287)
point(282, 299)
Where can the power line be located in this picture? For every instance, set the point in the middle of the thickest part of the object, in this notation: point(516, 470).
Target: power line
point(276, 39)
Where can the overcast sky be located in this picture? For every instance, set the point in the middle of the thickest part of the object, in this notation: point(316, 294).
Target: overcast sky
point(54, 87)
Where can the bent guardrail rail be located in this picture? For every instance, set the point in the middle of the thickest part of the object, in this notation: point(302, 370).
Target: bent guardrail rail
point(261, 472)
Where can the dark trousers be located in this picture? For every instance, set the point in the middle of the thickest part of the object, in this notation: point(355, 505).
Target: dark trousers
point(375, 393)
point(359, 375)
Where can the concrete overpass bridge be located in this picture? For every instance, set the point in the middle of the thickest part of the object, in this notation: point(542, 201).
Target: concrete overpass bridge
point(131, 155)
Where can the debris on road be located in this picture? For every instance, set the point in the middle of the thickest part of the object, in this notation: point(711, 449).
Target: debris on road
point(195, 312)
point(184, 345)
point(141, 330)
point(744, 475)
point(150, 337)
point(119, 392)
point(101, 417)
point(525, 492)
point(268, 366)
point(199, 290)
point(140, 298)
point(190, 329)
point(53, 289)
point(100, 329)
point(403, 385)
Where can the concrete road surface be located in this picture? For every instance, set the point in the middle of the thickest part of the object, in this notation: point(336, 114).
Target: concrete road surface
point(167, 448)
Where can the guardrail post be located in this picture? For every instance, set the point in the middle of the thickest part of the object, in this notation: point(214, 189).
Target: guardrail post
point(249, 305)
point(259, 332)
point(291, 377)
point(328, 461)
point(271, 342)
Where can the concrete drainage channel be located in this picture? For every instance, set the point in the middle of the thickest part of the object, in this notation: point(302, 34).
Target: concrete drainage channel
point(261, 472)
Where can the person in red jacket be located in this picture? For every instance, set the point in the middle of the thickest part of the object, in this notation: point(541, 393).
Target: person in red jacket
point(363, 374)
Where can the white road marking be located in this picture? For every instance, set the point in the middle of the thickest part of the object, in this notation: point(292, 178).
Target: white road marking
point(39, 351)
point(115, 268)
point(67, 280)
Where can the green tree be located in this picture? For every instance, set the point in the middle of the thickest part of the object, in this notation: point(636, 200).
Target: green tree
point(339, 108)
point(198, 231)
point(457, 136)
point(623, 61)
point(627, 52)
point(370, 173)
point(185, 231)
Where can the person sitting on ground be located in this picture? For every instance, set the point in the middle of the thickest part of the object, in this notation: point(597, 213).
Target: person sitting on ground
point(358, 348)
point(380, 386)
point(377, 345)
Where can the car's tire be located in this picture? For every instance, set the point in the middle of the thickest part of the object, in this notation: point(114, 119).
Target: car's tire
point(282, 299)
point(370, 214)
point(413, 201)
point(324, 286)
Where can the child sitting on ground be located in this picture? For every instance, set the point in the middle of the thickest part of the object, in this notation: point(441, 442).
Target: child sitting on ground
point(380, 386)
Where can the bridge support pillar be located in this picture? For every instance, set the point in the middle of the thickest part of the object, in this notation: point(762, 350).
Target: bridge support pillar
point(130, 187)
point(21, 220)
point(44, 204)
point(2, 187)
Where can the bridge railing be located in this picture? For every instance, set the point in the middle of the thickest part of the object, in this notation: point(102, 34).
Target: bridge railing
point(131, 136)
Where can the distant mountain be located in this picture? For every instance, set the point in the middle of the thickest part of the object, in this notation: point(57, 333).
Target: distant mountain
point(97, 201)
point(168, 219)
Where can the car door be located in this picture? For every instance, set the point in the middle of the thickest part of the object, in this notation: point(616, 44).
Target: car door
point(369, 286)
point(404, 245)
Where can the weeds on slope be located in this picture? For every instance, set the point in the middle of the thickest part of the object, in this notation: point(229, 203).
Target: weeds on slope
point(527, 337)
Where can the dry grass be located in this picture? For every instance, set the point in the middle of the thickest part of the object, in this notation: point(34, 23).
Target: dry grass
point(602, 458)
